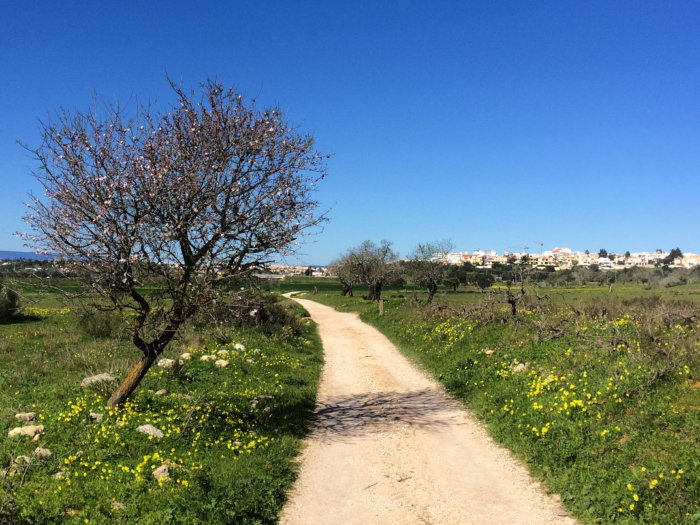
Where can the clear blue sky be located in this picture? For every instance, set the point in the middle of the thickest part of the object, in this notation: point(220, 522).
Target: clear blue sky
point(492, 124)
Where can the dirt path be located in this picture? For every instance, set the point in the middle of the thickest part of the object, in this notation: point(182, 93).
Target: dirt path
point(390, 447)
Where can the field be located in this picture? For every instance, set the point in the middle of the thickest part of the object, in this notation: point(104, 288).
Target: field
point(598, 392)
point(229, 433)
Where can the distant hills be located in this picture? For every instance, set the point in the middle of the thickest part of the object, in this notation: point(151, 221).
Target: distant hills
point(7, 255)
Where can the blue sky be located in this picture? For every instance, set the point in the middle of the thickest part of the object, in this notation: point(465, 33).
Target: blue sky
point(492, 124)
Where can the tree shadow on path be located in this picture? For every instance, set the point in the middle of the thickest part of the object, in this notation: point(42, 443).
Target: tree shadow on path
point(355, 415)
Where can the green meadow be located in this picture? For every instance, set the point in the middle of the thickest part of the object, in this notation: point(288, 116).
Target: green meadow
point(229, 433)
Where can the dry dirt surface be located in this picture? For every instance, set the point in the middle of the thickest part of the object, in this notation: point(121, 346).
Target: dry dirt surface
point(389, 446)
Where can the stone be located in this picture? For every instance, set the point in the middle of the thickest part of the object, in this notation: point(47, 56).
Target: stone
point(150, 430)
point(520, 367)
point(186, 356)
point(166, 363)
point(42, 453)
point(161, 392)
point(488, 351)
point(162, 472)
point(250, 361)
point(99, 378)
point(207, 358)
point(561, 513)
point(26, 416)
point(116, 505)
point(95, 416)
point(239, 346)
point(28, 430)
point(221, 363)
point(22, 460)
point(35, 439)
point(71, 512)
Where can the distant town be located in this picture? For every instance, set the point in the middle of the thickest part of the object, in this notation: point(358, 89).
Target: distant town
point(557, 258)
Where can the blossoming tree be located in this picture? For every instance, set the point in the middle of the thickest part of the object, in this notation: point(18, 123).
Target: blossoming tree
point(181, 200)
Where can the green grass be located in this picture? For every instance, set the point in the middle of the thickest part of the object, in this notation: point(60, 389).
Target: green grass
point(231, 434)
point(607, 413)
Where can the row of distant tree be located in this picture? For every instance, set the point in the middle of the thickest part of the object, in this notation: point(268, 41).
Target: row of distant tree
point(377, 265)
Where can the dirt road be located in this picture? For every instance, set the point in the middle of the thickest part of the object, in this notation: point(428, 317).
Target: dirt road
point(390, 447)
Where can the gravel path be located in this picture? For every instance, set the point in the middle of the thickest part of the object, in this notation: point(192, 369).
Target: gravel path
point(390, 447)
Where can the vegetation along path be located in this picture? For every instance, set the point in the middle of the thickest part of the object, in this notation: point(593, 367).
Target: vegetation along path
point(390, 446)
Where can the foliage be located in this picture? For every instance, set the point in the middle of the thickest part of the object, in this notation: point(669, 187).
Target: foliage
point(370, 264)
point(230, 433)
point(181, 200)
point(9, 301)
point(426, 268)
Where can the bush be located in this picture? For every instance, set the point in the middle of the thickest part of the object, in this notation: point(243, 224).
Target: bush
point(9, 302)
point(99, 324)
point(247, 309)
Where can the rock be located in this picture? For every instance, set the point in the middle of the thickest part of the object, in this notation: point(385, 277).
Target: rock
point(22, 460)
point(71, 512)
point(239, 346)
point(26, 416)
point(221, 363)
point(561, 513)
point(186, 356)
point(162, 472)
point(28, 430)
point(250, 361)
point(150, 430)
point(166, 363)
point(36, 438)
point(99, 378)
point(488, 351)
point(42, 453)
point(207, 358)
point(520, 367)
point(161, 392)
point(96, 416)
point(117, 505)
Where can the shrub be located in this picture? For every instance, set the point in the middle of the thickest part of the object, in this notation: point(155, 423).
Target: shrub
point(9, 302)
point(99, 324)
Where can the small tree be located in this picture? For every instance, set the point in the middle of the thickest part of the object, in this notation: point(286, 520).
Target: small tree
point(427, 268)
point(372, 265)
point(457, 274)
point(345, 274)
point(189, 198)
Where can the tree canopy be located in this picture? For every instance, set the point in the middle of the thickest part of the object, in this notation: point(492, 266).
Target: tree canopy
point(192, 196)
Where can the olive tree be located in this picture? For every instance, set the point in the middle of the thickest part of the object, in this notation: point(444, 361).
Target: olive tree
point(345, 274)
point(427, 266)
point(186, 198)
point(370, 264)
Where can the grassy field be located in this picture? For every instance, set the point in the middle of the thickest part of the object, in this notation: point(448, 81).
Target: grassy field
point(229, 434)
point(598, 392)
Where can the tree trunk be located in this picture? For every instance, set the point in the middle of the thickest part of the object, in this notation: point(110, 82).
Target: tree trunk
point(375, 292)
point(346, 289)
point(432, 288)
point(132, 380)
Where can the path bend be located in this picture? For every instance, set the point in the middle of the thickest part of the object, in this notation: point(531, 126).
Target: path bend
point(389, 446)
